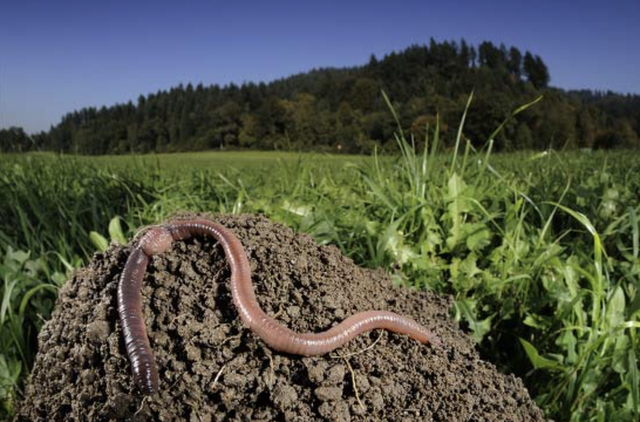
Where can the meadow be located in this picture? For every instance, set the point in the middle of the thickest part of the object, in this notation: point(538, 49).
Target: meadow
point(538, 250)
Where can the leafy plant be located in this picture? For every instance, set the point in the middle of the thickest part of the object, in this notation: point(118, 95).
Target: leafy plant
point(28, 290)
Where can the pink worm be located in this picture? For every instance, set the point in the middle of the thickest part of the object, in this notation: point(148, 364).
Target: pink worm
point(159, 239)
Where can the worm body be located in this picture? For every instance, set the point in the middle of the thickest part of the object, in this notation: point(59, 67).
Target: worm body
point(143, 366)
point(156, 241)
point(277, 336)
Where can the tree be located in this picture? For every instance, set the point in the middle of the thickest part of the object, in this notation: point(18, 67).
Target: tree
point(186, 127)
point(491, 56)
point(14, 139)
point(364, 94)
point(621, 135)
point(346, 127)
point(474, 56)
point(535, 70)
point(523, 138)
point(249, 128)
point(514, 64)
point(301, 121)
point(585, 129)
point(464, 55)
point(271, 123)
point(226, 128)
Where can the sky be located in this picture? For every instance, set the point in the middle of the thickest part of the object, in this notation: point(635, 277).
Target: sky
point(60, 56)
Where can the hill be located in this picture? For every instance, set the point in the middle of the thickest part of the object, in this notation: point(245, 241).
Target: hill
point(342, 110)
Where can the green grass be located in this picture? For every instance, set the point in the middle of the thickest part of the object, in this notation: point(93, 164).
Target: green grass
point(212, 160)
point(540, 251)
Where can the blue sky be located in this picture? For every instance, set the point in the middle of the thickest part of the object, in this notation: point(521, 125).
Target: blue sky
point(58, 56)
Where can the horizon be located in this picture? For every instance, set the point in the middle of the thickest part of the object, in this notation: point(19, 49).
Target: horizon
point(65, 58)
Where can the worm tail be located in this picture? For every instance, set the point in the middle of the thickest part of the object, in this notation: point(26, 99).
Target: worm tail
point(143, 365)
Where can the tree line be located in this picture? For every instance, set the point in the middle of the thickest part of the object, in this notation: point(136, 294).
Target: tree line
point(342, 110)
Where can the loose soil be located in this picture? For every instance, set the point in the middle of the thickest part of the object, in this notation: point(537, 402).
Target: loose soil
point(212, 368)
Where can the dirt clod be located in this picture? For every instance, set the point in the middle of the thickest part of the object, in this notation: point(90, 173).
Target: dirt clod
point(212, 368)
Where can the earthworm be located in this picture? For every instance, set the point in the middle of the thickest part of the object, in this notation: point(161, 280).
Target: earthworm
point(274, 334)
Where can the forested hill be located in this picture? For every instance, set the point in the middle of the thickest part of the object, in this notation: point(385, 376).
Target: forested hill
point(343, 110)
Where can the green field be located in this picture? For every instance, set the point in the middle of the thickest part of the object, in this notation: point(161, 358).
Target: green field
point(540, 251)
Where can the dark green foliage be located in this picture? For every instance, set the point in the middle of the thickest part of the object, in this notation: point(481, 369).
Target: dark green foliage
point(535, 70)
point(342, 110)
point(14, 139)
point(514, 62)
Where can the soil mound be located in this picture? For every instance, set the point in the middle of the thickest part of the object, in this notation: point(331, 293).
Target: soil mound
point(212, 368)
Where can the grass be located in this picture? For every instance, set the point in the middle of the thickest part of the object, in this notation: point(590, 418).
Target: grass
point(540, 251)
point(203, 160)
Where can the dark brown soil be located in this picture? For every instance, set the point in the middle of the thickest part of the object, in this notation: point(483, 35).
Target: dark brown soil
point(212, 368)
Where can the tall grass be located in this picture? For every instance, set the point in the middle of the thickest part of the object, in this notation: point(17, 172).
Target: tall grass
point(540, 251)
point(524, 267)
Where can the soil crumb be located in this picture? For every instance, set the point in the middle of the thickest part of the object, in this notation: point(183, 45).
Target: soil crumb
point(212, 368)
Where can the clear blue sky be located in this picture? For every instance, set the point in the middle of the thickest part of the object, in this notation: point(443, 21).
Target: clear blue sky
point(58, 56)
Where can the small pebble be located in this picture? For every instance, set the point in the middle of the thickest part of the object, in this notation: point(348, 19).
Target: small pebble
point(335, 375)
point(329, 393)
point(98, 331)
point(284, 396)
